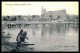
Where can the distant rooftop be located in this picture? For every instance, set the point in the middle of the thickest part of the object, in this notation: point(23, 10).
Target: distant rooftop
point(57, 11)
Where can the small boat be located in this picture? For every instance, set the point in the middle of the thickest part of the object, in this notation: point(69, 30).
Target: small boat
point(26, 44)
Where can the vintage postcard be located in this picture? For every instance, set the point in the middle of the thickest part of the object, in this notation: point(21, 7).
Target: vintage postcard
point(40, 26)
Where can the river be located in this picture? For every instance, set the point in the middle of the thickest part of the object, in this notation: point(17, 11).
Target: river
point(49, 37)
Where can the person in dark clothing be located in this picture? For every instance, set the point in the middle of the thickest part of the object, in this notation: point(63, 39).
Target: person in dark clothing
point(19, 35)
point(18, 39)
point(24, 37)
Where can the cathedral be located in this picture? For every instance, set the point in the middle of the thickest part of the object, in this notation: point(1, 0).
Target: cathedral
point(59, 15)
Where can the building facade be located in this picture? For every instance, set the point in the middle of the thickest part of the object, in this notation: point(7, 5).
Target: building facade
point(59, 15)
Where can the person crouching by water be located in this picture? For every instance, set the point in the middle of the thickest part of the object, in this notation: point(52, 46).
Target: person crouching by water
point(18, 39)
point(24, 37)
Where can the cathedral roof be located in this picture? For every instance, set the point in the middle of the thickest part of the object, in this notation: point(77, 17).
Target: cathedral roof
point(57, 11)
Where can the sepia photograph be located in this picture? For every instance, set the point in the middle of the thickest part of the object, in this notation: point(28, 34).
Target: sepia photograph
point(36, 26)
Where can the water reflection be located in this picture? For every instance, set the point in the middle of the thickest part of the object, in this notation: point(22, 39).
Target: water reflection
point(54, 29)
point(45, 30)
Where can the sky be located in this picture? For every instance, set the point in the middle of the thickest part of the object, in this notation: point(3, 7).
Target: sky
point(34, 8)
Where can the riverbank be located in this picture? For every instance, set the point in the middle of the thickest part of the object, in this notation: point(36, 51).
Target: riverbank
point(11, 47)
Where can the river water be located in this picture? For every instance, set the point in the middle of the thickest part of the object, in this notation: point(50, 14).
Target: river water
point(49, 37)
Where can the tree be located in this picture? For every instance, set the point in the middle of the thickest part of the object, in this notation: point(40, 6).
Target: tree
point(4, 19)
